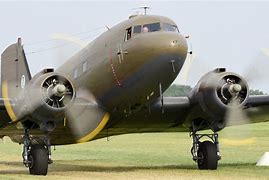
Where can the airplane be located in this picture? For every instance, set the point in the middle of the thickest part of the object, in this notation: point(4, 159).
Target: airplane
point(115, 86)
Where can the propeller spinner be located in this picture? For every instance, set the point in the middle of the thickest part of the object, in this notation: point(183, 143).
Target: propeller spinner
point(57, 91)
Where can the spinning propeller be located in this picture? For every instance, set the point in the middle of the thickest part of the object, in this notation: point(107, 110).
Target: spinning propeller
point(232, 93)
point(85, 118)
point(51, 98)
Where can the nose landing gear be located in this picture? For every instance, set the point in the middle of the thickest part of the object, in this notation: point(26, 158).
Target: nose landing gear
point(36, 154)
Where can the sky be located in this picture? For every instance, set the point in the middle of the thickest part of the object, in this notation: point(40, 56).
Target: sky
point(223, 33)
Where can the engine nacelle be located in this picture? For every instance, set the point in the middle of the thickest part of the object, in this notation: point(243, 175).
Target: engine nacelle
point(213, 95)
point(46, 98)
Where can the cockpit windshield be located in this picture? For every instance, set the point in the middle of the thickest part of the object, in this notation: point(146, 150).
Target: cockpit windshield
point(170, 27)
point(151, 27)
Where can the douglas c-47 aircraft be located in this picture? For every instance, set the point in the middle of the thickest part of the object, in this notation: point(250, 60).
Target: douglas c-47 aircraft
point(115, 86)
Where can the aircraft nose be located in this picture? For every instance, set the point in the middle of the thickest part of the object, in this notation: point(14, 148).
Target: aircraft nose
point(166, 43)
point(177, 44)
point(162, 49)
point(164, 46)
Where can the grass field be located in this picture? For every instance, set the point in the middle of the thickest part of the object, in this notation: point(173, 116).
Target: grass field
point(147, 156)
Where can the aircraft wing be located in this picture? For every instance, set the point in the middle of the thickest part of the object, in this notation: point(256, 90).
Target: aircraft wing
point(172, 104)
point(218, 100)
point(256, 101)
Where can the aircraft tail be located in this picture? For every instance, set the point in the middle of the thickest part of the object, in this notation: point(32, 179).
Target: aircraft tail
point(15, 73)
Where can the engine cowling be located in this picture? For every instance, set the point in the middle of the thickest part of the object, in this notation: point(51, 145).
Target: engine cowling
point(214, 94)
point(46, 98)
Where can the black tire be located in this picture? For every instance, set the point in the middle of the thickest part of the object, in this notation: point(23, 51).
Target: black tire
point(207, 156)
point(39, 160)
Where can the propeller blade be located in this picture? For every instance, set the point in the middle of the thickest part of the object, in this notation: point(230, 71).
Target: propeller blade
point(235, 114)
point(184, 72)
point(85, 119)
point(237, 135)
point(68, 38)
point(254, 72)
point(265, 51)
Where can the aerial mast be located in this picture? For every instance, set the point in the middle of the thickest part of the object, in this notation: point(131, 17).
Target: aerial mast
point(145, 9)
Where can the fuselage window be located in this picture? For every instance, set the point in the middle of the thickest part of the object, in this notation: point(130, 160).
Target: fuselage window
point(85, 67)
point(75, 73)
point(137, 29)
point(170, 27)
point(151, 27)
point(128, 34)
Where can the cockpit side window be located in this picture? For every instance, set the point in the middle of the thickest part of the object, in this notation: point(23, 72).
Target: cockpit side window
point(137, 29)
point(151, 27)
point(170, 27)
point(128, 34)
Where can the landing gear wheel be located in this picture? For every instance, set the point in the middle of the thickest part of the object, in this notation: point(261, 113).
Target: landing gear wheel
point(207, 155)
point(39, 160)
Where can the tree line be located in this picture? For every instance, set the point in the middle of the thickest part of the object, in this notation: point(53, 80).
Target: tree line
point(182, 90)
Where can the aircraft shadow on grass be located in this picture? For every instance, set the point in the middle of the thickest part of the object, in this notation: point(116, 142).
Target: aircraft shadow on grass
point(62, 166)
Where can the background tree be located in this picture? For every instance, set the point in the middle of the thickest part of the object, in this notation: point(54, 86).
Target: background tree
point(182, 90)
point(256, 92)
point(177, 90)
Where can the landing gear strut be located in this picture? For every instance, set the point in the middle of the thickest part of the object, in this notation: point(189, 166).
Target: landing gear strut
point(36, 154)
point(206, 153)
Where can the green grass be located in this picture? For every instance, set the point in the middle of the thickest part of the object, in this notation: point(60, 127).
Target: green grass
point(146, 156)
